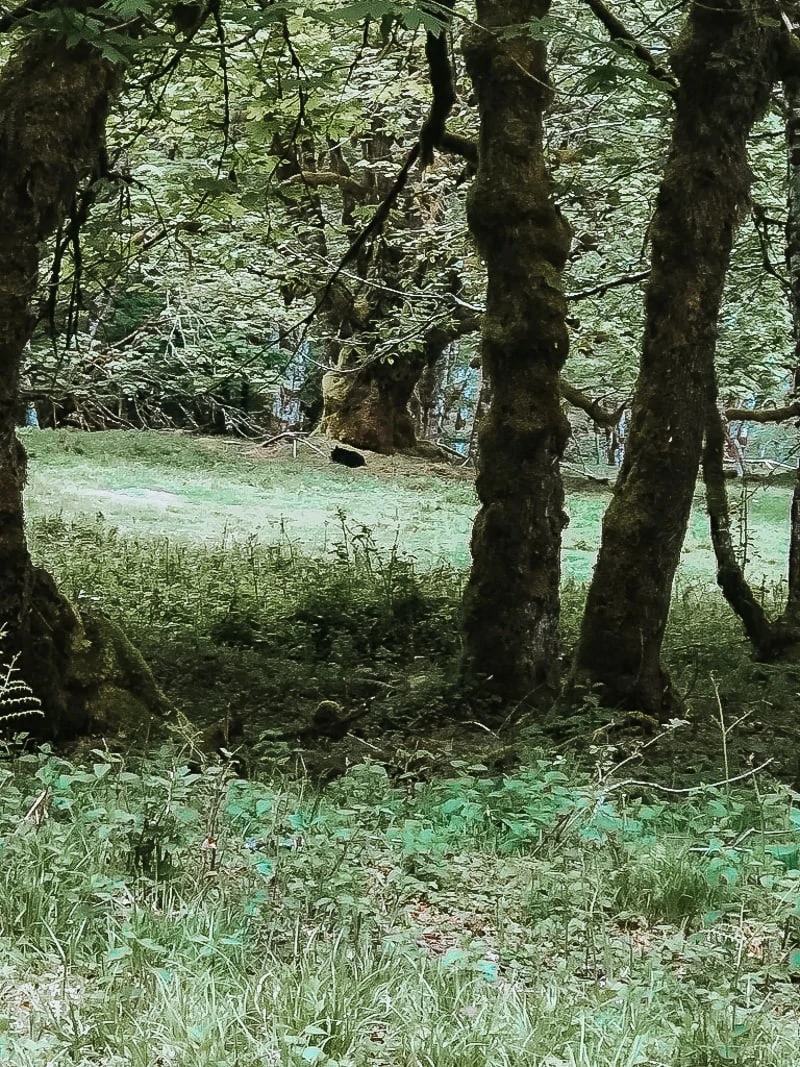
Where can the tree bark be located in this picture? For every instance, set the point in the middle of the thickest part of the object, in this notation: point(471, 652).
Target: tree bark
point(54, 102)
point(367, 406)
point(779, 638)
point(791, 97)
point(724, 60)
point(365, 401)
point(767, 638)
point(511, 603)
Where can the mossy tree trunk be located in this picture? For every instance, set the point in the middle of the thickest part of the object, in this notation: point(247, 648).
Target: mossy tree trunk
point(791, 95)
point(776, 639)
point(725, 61)
point(511, 603)
point(54, 102)
point(366, 398)
point(367, 405)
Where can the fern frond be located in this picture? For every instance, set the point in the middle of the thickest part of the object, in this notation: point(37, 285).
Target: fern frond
point(17, 699)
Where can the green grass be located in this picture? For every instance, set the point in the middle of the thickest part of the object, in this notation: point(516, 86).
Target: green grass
point(151, 914)
point(182, 488)
point(256, 629)
point(262, 633)
point(200, 490)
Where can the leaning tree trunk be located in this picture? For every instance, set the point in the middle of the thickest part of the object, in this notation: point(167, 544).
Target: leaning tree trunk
point(54, 102)
point(769, 639)
point(724, 60)
point(511, 603)
point(778, 638)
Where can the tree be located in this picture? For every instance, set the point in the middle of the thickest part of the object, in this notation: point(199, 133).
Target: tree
point(511, 603)
point(778, 638)
point(54, 100)
point(407, 283)
point(725, 60)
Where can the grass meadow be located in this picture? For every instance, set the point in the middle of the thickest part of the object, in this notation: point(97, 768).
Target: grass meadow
point(422, 892)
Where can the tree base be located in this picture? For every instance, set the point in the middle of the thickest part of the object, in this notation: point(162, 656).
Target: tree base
point(366, 412)
point(84, 670)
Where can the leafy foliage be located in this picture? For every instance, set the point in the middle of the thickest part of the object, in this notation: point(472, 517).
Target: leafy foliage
point(151, 908)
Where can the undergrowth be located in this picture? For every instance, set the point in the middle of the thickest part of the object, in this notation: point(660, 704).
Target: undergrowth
point(159, 909)
point(265, 629)
point(153, 914)
point(261, 633)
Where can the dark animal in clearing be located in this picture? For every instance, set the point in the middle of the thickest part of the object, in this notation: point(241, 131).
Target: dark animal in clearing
point(347, 457)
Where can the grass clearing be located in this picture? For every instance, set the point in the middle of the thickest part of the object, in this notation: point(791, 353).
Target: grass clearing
point(181, 488)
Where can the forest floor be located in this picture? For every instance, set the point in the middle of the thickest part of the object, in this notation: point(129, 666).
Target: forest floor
point(249, 888)
point(202, 490)
point(261, 585)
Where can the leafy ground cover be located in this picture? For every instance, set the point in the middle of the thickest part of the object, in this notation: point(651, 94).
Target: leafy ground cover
point(156, 911)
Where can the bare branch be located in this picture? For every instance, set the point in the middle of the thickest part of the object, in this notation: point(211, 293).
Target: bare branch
point(600, 415)
point(456, 145)
point(316, 178)
point(791, 411)
point(603, 287)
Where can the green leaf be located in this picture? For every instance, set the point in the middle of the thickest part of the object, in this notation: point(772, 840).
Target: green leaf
point(119, 953)
point(312, 1053)
point(129, 9)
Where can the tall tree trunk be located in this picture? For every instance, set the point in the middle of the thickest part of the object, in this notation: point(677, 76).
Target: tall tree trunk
point(54, 102)
point(791, 97)
point(724, 61)
point(511, 603)
point(365, 401)
point(779, 638)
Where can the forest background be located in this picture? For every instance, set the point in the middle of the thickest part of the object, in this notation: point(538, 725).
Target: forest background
point(354, 806)
point(477, 272)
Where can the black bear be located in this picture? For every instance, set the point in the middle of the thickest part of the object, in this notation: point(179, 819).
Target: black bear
point(347, 457)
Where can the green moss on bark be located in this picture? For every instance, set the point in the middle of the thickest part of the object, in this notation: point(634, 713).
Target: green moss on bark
point(511, 603)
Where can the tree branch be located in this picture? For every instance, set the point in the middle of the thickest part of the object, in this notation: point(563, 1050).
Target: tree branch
point(10, 19)
point(790, 411)
point(618, 31)
point(600, 415)
point(440, 75)
point(316, 178)
point(730, 575)
point(603, 287)
point(456, 145)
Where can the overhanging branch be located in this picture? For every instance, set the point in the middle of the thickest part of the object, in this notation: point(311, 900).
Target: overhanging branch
point(790, 411)
point(595, 409)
